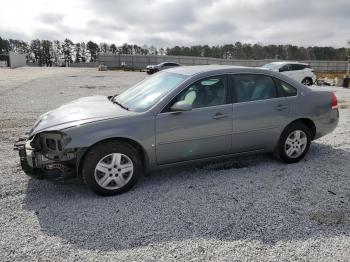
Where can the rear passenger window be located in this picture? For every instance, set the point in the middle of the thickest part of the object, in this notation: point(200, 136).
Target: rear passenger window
point(287, 90)
point(298, 67)
point(286, 68)
point(253, 87)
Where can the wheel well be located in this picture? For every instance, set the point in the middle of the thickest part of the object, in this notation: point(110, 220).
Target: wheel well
point(308, 77)
point(131, 142)
point(309, 123)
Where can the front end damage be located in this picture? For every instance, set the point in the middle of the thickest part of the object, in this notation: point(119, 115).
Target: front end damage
point(45, 155)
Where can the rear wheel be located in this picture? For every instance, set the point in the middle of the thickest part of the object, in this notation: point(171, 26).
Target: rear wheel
point(294, 143)
point(111, 168)
point(307, 81)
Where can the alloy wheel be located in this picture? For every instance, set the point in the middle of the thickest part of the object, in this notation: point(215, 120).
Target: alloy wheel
point(295, 144)
point(114, 171)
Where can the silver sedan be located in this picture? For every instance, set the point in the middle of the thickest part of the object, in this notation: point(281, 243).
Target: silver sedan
point(177, 116)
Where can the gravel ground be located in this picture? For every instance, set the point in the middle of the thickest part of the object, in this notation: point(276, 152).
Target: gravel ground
point(252, 208)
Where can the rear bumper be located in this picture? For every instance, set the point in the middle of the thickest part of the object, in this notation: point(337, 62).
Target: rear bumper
point(327, 125)
point(55, 170)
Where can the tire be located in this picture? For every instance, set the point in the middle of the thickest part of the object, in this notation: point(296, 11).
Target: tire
point(290, 148)
point(307, 81)
point(111, 168)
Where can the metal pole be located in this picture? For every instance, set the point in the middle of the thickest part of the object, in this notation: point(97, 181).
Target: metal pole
point(347, 71)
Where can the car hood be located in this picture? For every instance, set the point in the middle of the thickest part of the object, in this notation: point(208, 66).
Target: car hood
point(269, 69)
point(78, 112)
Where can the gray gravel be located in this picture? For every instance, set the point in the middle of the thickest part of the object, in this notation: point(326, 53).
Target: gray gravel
point(252, 208)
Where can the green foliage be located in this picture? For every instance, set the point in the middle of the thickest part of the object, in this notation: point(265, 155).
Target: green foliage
point(93, 49)
point(4, 46)
point(258, 51)
point(47, 53)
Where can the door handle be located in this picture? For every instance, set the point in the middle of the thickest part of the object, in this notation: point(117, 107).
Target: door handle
point(219, 116)
point(281, 107)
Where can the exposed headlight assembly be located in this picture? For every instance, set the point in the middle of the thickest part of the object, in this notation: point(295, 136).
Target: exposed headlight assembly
point(52, 144)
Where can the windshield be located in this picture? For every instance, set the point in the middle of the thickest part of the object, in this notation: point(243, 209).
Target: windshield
point(272, 66)
point(147, 93)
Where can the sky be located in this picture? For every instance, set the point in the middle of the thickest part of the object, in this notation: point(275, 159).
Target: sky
point(164, 23)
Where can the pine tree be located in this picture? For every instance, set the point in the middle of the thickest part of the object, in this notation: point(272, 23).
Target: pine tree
point(67, 51)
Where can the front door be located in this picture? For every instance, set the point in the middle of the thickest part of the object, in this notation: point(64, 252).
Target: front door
point(204, 131)
point(259, 114)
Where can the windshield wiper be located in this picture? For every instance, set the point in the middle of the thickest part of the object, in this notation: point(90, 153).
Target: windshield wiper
point(119, 104)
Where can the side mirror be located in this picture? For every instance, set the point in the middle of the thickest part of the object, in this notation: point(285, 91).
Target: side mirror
point(181, 106)
point(281, 70)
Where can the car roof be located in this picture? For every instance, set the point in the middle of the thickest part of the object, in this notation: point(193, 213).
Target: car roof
point(193, 70)
point(204, 70)
point(287, 62)
point(166, 62)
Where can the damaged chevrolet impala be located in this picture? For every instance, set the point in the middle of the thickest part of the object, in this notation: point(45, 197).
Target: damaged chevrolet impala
point(177, 116)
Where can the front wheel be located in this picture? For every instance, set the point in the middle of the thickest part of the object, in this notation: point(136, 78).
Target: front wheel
point(111, 168)
point(294, 143)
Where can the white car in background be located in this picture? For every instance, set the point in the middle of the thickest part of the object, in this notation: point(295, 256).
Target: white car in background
point(300, 72)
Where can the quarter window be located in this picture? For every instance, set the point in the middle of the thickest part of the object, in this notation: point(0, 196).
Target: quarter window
point(207, 92)
point(254, 87)
point(287, 90)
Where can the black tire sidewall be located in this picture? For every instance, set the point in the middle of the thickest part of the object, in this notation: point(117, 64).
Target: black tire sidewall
point(281, 151)
point(101, 150)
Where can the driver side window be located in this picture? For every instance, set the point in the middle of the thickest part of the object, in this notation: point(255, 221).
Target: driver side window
point(211, 91)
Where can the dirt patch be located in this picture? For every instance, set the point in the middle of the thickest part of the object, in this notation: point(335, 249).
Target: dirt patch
point(88, 87)
point(92, 87)
point(333, 217)
point(343, 106)
point(99, 76)
point(15, 123)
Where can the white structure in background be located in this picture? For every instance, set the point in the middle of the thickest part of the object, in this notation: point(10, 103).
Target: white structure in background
point(17, 60)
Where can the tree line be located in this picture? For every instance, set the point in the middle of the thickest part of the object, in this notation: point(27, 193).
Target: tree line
point(257, 51)
point(49, 53)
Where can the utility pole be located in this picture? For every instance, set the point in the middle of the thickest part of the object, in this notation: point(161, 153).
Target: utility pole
point(347, 72)
point(346, 82)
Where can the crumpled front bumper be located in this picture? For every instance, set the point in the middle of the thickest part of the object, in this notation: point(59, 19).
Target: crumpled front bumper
point(27, 160)
point(56, 171)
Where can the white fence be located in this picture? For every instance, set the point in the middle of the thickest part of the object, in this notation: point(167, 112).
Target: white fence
point(140, 62)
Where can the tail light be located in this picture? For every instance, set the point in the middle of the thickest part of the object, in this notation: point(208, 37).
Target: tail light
point(334, 101)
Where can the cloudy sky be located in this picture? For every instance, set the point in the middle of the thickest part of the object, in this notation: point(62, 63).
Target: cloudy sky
point(179, 22)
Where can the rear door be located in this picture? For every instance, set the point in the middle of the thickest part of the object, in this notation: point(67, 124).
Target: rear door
point(204, 131)
point(299, 72)
point(259, 113)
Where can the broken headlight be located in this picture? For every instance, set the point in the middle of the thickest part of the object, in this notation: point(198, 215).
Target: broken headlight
point(52, 144)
